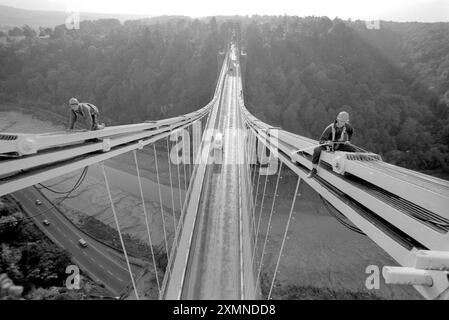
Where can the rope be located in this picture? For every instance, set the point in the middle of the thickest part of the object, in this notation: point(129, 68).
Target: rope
point(171, 186)
point(160, 201)
point(257, 188)
point(268, 226)
point(260, 216)
point(185, 178)
point(190, 152)
point(253, 219)
point(179, 182)
point(253, 151)
point(48, 187)
point(118, 229)
point(247, 165)
point(285, 236)
point(57, 182)
point(360, 149)
point(250, 171)
point(344, 223)
point(77, 184)
point(183, 161)
point(255, 202)
point(194, 152)
point(189, 135)
point(146, 220)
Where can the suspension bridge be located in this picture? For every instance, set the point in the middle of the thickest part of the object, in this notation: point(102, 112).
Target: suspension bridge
point(233, 165)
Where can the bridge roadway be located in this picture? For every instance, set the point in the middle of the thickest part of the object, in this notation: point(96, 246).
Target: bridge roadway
point(215, 265)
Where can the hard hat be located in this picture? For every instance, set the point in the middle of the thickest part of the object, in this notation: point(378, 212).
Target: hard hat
point(343, 116)
point(73, 101)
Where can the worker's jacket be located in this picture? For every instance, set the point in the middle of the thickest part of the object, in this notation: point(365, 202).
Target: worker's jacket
point(334, 133)
point(88, 112)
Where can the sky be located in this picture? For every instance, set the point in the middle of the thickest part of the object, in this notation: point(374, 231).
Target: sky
point(395, 10)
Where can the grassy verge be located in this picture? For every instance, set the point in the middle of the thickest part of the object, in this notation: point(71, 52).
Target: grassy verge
point(110, 236)
point(291, 292)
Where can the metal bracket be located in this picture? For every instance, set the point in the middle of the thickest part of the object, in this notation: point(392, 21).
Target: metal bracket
point(106, 145)
point(26, 145)
point(140, 144)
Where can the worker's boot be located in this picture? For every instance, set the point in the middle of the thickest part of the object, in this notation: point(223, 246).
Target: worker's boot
point(96, 127)
point(312, 173)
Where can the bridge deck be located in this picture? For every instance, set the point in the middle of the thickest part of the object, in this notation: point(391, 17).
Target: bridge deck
point(214, 268)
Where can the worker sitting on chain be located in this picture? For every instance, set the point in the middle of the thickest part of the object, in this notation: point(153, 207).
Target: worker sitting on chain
point(336, 136)
point(87, 111)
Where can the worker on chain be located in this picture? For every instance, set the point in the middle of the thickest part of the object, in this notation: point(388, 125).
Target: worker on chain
point(336, 136)
point(87, 111)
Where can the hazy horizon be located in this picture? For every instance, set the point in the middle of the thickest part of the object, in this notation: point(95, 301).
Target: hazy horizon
point(389, 10)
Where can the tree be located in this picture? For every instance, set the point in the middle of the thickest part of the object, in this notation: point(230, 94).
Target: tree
point(16, 31)
point(300, 72)
point(407, 135)
point(28, 32)
point(289, 121)
point(36, 85)
point(44, 264)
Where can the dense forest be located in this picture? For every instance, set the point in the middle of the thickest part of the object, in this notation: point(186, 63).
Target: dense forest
point(133, 72)
point(300, 72)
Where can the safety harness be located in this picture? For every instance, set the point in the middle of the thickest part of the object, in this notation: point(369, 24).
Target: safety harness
point(93, 109)
point(342, 135)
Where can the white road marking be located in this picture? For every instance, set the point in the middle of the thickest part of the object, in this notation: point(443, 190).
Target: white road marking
point(50, 234)
point(75, 231)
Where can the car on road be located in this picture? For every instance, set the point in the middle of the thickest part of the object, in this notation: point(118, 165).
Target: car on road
point(46, 222)
point(38, 202)
point(82, 243)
